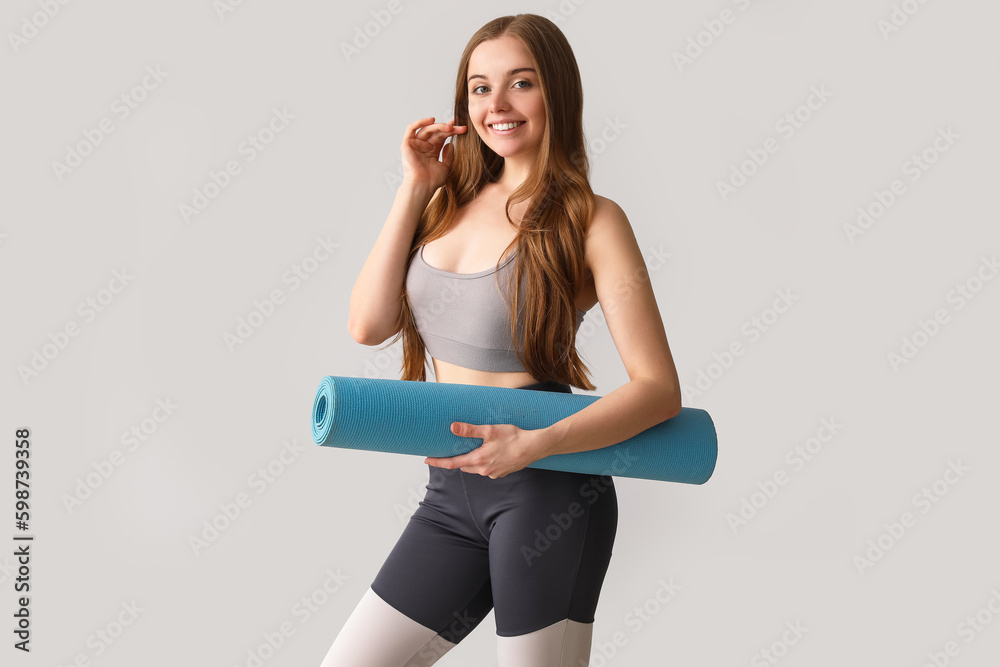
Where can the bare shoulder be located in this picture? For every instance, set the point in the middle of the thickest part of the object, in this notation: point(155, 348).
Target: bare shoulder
point(607, 213)
point(610, 240)
point(608, 221)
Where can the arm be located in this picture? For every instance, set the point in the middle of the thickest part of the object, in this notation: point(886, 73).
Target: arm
point(375, 304)
point(652, 394)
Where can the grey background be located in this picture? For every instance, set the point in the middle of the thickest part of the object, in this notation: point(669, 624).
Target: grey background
point(332, 174)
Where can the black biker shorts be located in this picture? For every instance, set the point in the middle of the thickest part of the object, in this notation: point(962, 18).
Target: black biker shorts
point(534, 545)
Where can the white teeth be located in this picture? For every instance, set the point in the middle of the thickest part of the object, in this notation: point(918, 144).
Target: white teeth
point(506, 126)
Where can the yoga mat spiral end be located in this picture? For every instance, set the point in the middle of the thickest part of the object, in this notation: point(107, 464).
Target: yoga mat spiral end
point(324, 406)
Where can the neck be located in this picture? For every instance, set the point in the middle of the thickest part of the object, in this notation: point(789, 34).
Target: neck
point(515, 171)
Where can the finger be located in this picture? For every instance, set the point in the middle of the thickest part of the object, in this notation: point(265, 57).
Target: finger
point(430, 142)
point(436, 133)
point(433, 136)
point(449, 462)
point(412, 127)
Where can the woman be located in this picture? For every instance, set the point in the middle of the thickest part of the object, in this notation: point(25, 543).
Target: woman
point(533, 545)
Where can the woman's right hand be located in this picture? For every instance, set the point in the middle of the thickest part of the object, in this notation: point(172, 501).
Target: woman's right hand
point(421, 145)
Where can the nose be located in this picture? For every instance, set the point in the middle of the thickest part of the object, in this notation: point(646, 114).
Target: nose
point(498, 101)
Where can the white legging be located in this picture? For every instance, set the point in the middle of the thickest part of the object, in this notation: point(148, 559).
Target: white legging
point(377, 635)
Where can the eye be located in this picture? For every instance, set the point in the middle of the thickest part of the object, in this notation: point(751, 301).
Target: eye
point(527, 84)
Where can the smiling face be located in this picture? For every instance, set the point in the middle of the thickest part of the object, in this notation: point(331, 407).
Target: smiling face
point(504, 86)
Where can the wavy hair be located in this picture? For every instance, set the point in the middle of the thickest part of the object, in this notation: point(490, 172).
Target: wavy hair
point(550, 238)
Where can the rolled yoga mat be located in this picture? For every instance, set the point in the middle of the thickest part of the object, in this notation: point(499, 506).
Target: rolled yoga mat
point(413, 417)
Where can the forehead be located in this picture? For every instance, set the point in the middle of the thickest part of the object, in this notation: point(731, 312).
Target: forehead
point(496, 56)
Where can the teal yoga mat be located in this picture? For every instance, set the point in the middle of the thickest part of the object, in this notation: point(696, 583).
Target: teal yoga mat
point(412, 417)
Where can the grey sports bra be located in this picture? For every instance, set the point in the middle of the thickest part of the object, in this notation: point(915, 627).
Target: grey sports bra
point(462, 317)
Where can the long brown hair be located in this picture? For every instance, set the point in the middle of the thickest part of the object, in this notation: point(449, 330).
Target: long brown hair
point(550, 238)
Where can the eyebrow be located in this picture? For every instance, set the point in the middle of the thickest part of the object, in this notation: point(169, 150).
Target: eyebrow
point(510, 73)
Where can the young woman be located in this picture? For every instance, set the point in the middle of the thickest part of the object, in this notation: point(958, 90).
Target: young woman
point(533, 545)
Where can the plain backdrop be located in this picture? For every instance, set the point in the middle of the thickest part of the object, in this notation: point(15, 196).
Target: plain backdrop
point(165, 362)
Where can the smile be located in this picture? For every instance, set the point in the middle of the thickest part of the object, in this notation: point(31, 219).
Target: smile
point(511, 127)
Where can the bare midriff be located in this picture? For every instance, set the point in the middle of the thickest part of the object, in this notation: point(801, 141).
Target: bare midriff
point(448, 372)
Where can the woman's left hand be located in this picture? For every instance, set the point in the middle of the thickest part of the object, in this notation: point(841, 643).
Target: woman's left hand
point(506, 448)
